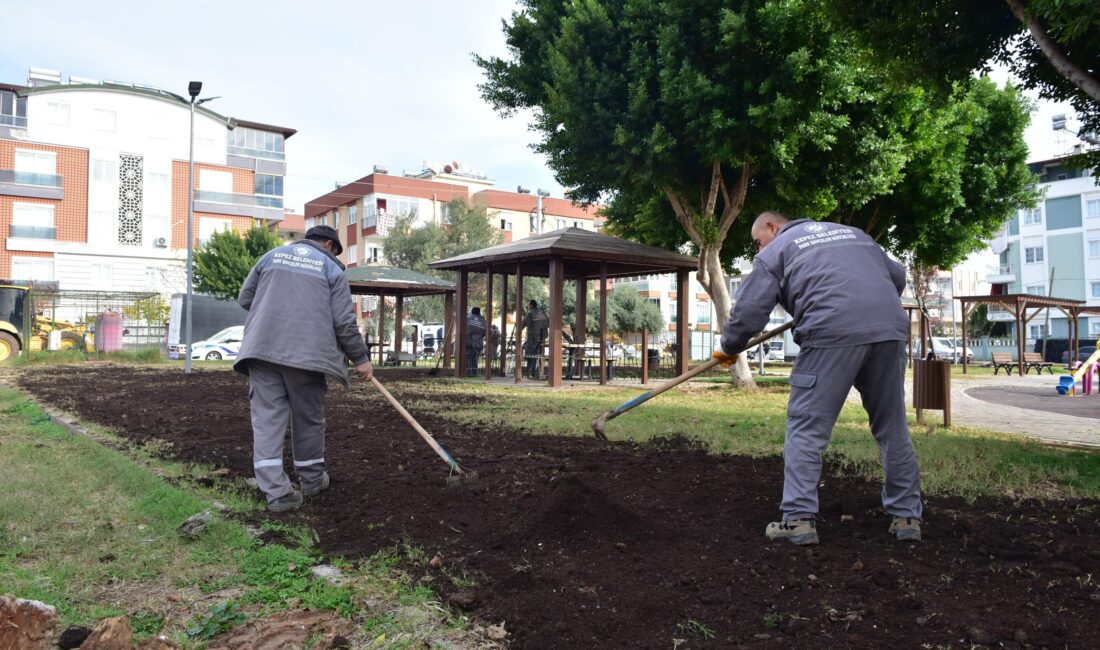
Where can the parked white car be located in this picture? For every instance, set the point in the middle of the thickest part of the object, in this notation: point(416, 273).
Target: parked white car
point(944, 349)
point(223, 345)
point(773, 351)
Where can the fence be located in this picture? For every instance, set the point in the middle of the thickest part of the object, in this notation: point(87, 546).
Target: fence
point(78, 310)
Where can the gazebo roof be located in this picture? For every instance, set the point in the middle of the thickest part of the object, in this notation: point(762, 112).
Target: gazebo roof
point(1032, 301)
point(584, 249)
point(392, 281)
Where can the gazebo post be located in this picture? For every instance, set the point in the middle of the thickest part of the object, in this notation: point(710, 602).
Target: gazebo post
point(1021, 308)
point(645, 356)
point(448, 327)
point(488, 348)
point(580, 335)
point(381, 328)
point(460, 322)
point(518, 370)
point(683, 333)
point(503, 322)
point(557, 289)
point(399, 327)
point(603, 323)
point(964, 312)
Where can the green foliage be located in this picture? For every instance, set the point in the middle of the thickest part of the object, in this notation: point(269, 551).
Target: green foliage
point(151, 310)
point(223, 262)
point(569, 309)
point(219, 618)
point(276, 573)
point(629, 312)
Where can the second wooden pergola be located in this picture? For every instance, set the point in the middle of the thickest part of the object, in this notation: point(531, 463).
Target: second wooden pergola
point(570, 253)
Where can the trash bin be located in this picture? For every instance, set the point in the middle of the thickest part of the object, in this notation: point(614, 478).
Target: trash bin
point(932, 387)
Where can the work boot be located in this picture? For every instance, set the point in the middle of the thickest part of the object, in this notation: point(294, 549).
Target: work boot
point(906, 529)
point(801, 532)
point(286, 502)
point(310, 489)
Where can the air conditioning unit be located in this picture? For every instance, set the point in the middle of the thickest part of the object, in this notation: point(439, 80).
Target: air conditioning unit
point(161, 242)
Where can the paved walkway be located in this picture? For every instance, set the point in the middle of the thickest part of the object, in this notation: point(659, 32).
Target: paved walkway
point(1044, 425)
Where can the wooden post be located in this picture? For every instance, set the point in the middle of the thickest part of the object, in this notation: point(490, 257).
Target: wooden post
point(448, 327)
point(1021, 310)
point(557, 290)
point(460, 322)
point(964, 311)
point(603, 323)
point(381, 328)
point(580, 335)
point(487, 347)
point(683, 331)
point(645, 356)
point(398, 327)
point(503, 322)
point(518, 370)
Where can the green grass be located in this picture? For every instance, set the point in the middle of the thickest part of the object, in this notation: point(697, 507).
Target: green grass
point(65, 357)
point(89, 525)
point(960, 461)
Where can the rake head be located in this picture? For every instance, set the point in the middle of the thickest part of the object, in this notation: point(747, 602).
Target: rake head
point(459, 478)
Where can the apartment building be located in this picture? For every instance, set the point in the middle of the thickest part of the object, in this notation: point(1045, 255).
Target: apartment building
point(1053, 249)
point(94, 181)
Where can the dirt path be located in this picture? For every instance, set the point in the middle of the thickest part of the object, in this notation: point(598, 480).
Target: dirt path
point(574, 544)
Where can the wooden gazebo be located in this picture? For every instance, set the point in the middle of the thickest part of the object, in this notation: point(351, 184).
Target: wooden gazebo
point(382, 281)
point(575, 254)
point(1018, 304)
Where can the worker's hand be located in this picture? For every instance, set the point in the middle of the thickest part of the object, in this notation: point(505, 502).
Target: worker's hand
point(365, 370)
point(727, 360)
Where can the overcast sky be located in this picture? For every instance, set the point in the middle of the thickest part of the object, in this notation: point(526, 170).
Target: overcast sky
point(364, 83)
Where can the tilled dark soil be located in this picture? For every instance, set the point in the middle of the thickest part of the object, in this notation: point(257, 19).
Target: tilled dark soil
point(578, 544)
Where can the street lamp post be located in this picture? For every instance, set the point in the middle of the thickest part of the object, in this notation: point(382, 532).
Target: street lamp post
point(193, 89)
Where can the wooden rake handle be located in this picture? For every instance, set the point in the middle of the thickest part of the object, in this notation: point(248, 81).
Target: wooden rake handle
point(599, 423)
point(416, 425)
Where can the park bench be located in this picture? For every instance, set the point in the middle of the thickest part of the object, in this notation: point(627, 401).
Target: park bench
point(1035, 360)
point(1002, 360)
point(398, 358)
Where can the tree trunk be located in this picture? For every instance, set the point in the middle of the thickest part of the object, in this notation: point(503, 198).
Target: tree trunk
point(710, 275)
point(1074, 73)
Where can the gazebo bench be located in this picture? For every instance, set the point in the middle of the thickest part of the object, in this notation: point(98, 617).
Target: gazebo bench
point(398, 358)
point(1001, 360)
point(1035, 360)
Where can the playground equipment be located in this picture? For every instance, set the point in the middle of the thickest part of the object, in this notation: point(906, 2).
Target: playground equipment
point(1083, 373)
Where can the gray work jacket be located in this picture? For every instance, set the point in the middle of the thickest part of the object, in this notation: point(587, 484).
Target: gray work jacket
point(300, 312)
point(836, 282)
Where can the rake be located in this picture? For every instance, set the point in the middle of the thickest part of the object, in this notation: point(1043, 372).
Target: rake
point(458, 475)
point(599, 423)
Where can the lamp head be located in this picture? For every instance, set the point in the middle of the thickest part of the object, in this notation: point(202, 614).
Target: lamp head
point(194, 88)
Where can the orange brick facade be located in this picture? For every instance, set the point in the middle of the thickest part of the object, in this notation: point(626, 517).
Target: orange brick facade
point(243, 183)
point(70, 213)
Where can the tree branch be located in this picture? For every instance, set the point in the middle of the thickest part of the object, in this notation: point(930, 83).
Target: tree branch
point(715, 181)
point(733, 208)
point(1073, 73)
point(684, 218)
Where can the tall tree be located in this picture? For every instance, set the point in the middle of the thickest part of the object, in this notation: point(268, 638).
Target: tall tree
point(223, 262)
point(628, 312)
point(687, 114)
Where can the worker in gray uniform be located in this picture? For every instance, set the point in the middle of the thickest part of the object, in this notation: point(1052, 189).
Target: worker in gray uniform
point(536, 325)
point(300, 330)
point(843, 294)
point(475, 339)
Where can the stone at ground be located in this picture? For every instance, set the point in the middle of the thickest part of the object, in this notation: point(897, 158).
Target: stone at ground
point(463, 599)
point(27, 624)
point(156, 643)
point(73, 636)
point(285, 630)
point(196, 525)
point(329, 573)
point(111, 634)
point(221, 471)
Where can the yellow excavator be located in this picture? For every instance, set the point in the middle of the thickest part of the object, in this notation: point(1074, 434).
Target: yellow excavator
point(21, 329)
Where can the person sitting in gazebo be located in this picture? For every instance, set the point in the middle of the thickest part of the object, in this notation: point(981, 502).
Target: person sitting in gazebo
point(475, 339)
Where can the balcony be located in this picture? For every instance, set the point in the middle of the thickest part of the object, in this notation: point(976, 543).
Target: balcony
point(1002, 274)
point(31, 185)
point(33, 232)
point(257, 206)
point(998, 314)
point(17, 121)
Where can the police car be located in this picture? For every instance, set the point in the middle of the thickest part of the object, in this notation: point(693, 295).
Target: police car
point(223, 345)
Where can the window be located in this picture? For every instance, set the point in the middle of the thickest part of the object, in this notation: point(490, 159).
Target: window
point(13, 109)
point(577, 224)
point(535, 222)
point(702, 312)
point(353, 254)
point(154, 179)
point(335, 218)
point(1033, 255)
point(505, 225)
point(1094, 327)
point(735, 286)
point(560, 224)
point(32, 220)
point(243, 141)
point(1094, 248)
point(31, 268)
point(103, 120)
point(1037, 331)
point(207, 228)
point(372, 254)
point(35, 162)
point(445, 214)
point(353, 214)
point(672, 311)
point(57, 114)
point(1033, 216)
point(105, 170)
point(1036, 290)
point(398, 206)
point(269, 184)
point(1095, 293)
point(1092, 208)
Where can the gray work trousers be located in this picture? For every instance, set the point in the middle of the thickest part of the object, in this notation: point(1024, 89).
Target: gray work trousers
point(820, 382)
point(278, 394)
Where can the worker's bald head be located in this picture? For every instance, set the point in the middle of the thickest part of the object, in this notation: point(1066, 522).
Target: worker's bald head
point(766, 227)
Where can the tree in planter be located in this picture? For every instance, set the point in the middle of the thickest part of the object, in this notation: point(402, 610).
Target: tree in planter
point(628, 312)
point(222, 263)
point(688, 114)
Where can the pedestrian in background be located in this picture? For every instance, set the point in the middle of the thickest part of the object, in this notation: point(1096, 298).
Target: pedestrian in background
point(299, 332)
point(536, 325)
point(843, 293)
point(475, 339)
